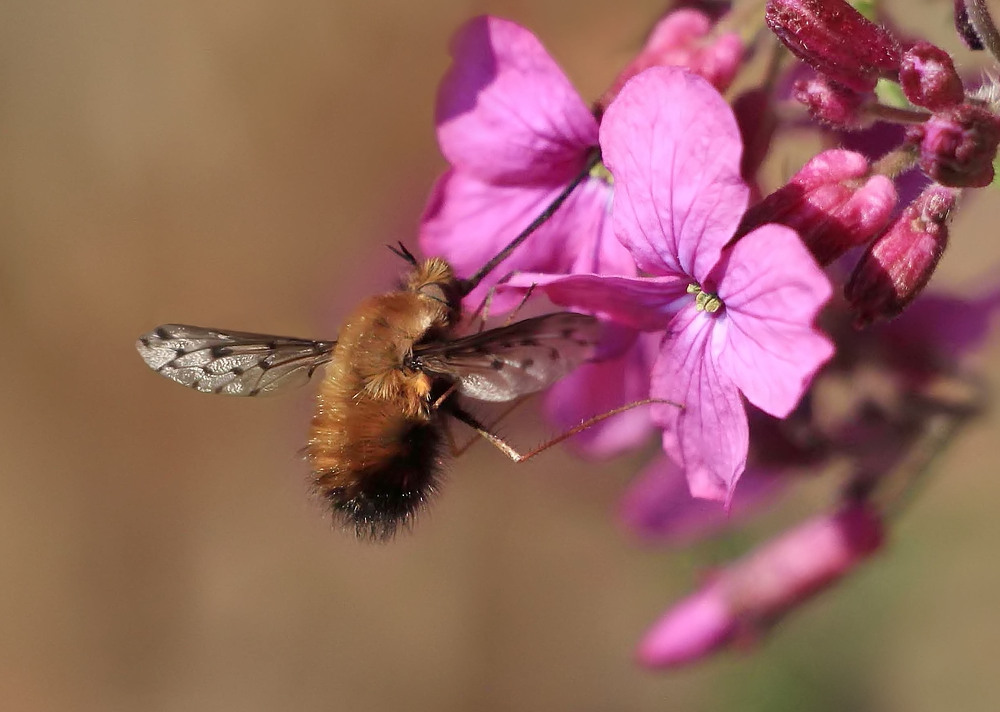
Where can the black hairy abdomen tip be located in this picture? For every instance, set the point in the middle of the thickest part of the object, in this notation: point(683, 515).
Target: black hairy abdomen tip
point(385, 495)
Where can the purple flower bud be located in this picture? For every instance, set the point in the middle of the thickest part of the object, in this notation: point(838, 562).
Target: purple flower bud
point(928, 77)
point(751, 594)
point(832, 103)
point(833, 202)
point(683, 39)
point(899, 263)
point(835, 39)
point(958, 145)
point(964, 27)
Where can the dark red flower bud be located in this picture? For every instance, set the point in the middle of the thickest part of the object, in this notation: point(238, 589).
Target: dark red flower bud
point(836, 40)
point(833, 202)
point(832, 103)
point(964, 27)
point(899, 264)
point(928, 77)
point(958, 145)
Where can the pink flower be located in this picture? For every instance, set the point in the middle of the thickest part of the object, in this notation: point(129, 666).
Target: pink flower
point(748, 596)
point(515, 132)
point(683, 38)
point(602, 386)
point(734, 320)
point(658, 507)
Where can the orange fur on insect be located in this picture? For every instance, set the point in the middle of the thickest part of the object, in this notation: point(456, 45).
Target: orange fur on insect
point(373, 443)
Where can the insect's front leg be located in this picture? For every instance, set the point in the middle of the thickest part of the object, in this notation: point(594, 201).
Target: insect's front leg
point(482, 312)
point(444, 396)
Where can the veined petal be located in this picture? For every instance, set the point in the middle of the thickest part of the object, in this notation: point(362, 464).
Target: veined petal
point(640, 303)
point(773, 289)
point(468, 221)
point(672, 144)
point(505, 110)
point(708, 437)
point(598, 250)
point(598, 387)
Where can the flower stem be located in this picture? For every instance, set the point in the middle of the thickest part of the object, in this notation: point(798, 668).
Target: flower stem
point(982, 23)
point(896, 162)
point(939, 421)
point(895, 115)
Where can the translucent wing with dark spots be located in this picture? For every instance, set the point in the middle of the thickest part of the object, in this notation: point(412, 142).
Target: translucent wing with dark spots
point(232, 363)
point(512, 361)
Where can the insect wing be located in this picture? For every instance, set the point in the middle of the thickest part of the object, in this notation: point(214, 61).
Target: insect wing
point(512, 361)
point(232, 363)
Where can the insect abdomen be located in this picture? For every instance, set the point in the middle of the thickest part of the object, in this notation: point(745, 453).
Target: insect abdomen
point(378, 482)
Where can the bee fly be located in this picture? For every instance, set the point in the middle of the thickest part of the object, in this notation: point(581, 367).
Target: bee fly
point(392, 379)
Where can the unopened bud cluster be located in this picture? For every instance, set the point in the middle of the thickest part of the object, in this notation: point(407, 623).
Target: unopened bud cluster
point(957, 142)
point(834, 202)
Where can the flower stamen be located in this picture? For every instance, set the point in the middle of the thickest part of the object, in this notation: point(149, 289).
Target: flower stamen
point(601, 173)
point(705, 301)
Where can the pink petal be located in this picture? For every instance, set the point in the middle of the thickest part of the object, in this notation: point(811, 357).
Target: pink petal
point(505, 110)
point(708, 437)
point(598, 250)
point(748, 596)
point(467, 222)
point(658, 505)
point(674, 148)
point(772, 289)
point(596, 388)
point(695, 628)
point(639, 303)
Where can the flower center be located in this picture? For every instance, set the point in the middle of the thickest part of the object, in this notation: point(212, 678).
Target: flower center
point(705, 301)
point(601, 173)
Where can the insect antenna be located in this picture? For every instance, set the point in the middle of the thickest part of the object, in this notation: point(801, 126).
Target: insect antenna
point(467, 285)
point(403, 253)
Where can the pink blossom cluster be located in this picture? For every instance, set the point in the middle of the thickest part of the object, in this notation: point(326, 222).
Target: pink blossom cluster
point(714, 296)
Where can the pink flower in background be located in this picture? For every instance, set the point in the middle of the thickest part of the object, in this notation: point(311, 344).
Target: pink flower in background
point(602, 386)
point(747, 596)
point(657, 506)
point(734, 320)
point(684, 38)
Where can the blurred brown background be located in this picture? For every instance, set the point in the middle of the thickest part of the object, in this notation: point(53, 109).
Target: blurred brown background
point(242, 164)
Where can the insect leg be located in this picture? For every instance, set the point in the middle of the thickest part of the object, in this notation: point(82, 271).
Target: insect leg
point(507, 411)
point(510, 317)
point(444, 396)
point(495, 440)
point(501, 444)
point(483, 310)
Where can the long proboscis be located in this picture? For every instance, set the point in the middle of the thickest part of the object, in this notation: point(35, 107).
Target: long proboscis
point(467, 285)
